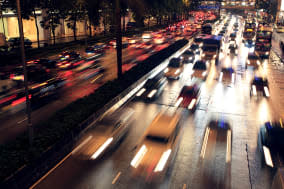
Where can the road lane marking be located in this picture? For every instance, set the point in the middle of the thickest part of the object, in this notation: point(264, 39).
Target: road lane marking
point(19, 122)
point(116, 178)
point(184, 186)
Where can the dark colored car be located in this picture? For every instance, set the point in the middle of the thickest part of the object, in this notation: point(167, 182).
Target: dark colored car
point(69, 55)
point(259, 86)
point(272, 143)
point(152, 88)
point(36, 73)
point(194, 48)
point(189, 97)
point(98, 49)
point(233, 36)
point(249, 43)
point(44, 62)
point(188, 56)
point(14, 42)
point(233, 48)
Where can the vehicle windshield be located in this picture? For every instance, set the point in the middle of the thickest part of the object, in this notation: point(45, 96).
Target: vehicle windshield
point(157, 139)
point(252, 57)
point(187, 90)
point(198, 40)
point(188, 53)
point(210, 48)
point(260, 81)
point(174, 63)
point(199, 65)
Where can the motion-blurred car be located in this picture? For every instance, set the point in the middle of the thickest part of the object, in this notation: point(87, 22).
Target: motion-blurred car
point(36, 73)
point(272, 143)
point(249, 43)
point(195, 48)
point(218, 130)
point(253, 61)
point(227, 75)
point(174, 69)
point(105, 135)
point(44, 62)
point(233, 36)
point(70, 64)
point(147, 35)
point(198, 40)
point(233, 49)
point(189, 97)
point(200, 70)
point(158, 147)
point(188, 56)
point(152, 88)
point(69, 55)
point(98, 49)
point(259, 86)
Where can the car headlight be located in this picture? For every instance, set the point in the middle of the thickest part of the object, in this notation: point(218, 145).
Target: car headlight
point(267, 155)
point(267, 53)
point(152, 93)
point(102, 148)
point(192, 103)
point(214, 56)
point(248, 62)
point(166, 70)
point(161, 164)
point(139, 156)
point(254, 90)
point(266, 91)
point(141, 92)
point(204, 73)
point(203, 55)
point(258, 62)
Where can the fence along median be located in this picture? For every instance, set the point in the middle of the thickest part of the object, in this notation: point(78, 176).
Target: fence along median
point(17, 159)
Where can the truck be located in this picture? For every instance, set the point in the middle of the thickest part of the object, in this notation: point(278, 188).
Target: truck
point(211, 47)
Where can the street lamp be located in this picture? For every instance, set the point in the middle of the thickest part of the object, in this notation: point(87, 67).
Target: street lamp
point(28, 104)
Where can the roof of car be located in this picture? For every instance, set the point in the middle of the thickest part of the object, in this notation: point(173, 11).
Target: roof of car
point(163, 125)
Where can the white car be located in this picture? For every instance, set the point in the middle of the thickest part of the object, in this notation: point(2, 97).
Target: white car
point(158, 147)
point(105, 135)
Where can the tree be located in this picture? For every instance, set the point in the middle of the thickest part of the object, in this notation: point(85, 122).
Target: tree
point(75, 11)
point(52, 14)
point(93, 7)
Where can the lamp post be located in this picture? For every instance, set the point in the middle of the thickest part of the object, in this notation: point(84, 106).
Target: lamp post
point(23, 58)
point(118, 38)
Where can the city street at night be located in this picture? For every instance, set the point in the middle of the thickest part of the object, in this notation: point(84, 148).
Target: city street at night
point(168, 94)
